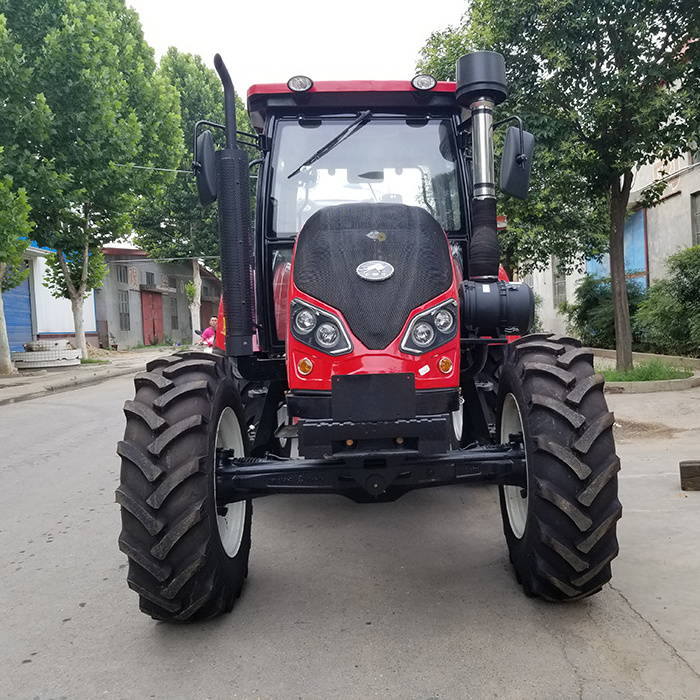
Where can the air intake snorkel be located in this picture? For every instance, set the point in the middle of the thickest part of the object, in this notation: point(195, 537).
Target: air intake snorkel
point(481, 85)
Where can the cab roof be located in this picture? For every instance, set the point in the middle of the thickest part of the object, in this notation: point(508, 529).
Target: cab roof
point(389, 96)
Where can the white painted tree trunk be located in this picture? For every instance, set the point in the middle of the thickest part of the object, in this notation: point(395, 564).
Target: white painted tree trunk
point(6, 366)
point(196, 303)
point(76, 305)
point(77, 297)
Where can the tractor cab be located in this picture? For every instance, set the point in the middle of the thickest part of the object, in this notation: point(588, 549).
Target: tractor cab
point(363, 146)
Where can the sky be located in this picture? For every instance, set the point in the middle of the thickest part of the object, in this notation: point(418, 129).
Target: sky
point(269, 41)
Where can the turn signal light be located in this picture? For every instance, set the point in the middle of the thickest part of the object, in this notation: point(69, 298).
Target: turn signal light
point(305, 366)
point(445, 365)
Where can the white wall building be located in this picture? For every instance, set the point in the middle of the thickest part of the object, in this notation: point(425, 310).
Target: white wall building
point(33, 314)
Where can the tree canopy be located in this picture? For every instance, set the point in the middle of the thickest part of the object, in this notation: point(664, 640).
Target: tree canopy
point(15, 228)
point(605, 86)
point(174, 224)
point(82, 70)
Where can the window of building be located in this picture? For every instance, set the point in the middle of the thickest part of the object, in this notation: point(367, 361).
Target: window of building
point(173, 313)
point(122, 274)
point(205, 291)
point(124, 318)
point(695, 216)
point(558, 283)
point(150, 279)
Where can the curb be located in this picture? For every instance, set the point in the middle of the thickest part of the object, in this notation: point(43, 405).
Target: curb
point(673, 360)
point(67, 384)
point(653, 386)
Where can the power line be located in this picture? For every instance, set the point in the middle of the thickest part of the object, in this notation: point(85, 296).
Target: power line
point(146, 260)
point(148, 167)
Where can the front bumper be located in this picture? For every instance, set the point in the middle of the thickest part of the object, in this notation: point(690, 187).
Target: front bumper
point(374, 473)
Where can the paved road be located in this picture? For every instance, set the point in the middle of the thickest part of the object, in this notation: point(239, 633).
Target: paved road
point(407, 600)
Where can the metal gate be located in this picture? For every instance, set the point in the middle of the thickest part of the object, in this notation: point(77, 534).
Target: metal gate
point(18, 315)
point(152, 310)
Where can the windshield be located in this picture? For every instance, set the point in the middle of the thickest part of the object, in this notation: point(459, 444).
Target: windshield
point(409, 161)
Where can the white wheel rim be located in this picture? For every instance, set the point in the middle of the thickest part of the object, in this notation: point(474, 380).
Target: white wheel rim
point(282, 419)
point(232, 524)
point(516, 503)
point(458, 421)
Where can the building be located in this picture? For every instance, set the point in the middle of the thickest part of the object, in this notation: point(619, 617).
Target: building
point(32, 313)
point(144, 301)
point(651, 236)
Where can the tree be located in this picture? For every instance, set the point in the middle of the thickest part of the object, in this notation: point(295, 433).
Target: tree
point(15, 228)
point(174, 225)
point(614, 85)
point(14, 209)
point(86, 65)
point(559, 217)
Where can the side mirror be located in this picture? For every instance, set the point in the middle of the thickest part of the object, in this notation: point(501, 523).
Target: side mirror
point(516, 162)
point(205, 165)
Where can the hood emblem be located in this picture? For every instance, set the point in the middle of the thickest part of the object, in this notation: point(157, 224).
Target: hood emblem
point(375, 270)
point(377, 236)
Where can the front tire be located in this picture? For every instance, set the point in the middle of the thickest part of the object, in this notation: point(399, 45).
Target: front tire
point(561, 529)
point(188, 559)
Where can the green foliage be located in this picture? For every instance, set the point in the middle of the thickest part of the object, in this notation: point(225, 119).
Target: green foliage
point(560, 217)
point(650, 371)
point(537, 326)
point(590, 317)
point(601, 75)
point(15, 228)
point(605, 86)
point(174, 224)
point(669, 318)
point(83, 104)
point(191, 292)
point(60, 285)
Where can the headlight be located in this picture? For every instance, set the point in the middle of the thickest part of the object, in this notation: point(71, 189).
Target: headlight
point(304, 320)
point(423, 334)
point(327, 335)
point(444, 320)
point(431, 329)
point(319, 329)
point(300, 83)
point(423, 81)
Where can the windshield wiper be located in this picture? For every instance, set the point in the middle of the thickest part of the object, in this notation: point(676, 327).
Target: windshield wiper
point(326, 148)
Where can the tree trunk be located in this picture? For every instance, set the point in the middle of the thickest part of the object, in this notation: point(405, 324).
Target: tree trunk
point(6, 366)
point(196, 303)
point(77, 297)
point(76, 304)
point(619, 197)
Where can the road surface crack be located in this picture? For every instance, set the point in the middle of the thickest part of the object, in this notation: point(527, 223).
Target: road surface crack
point(657, 634)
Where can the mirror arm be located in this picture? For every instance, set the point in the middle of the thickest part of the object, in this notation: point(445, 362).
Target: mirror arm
point(196, 165)
point(521, 158)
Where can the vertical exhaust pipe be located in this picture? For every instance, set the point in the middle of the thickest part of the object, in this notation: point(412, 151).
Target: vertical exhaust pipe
point(481, 85)
point(235, 230)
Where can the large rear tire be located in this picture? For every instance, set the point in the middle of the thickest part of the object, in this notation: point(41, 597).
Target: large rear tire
point(188, 559)
point(561, 529)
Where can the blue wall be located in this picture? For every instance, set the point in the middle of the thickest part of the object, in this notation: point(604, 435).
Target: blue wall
point(635, 252)
point(18, 315)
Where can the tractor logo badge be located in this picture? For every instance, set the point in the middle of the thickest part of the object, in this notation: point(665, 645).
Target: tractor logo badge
point(375, 270)
point(377, 236)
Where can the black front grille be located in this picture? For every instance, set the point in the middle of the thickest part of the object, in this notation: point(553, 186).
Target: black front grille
point(335, 240)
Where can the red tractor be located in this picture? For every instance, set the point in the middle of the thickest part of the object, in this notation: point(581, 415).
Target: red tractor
point(368, 344)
